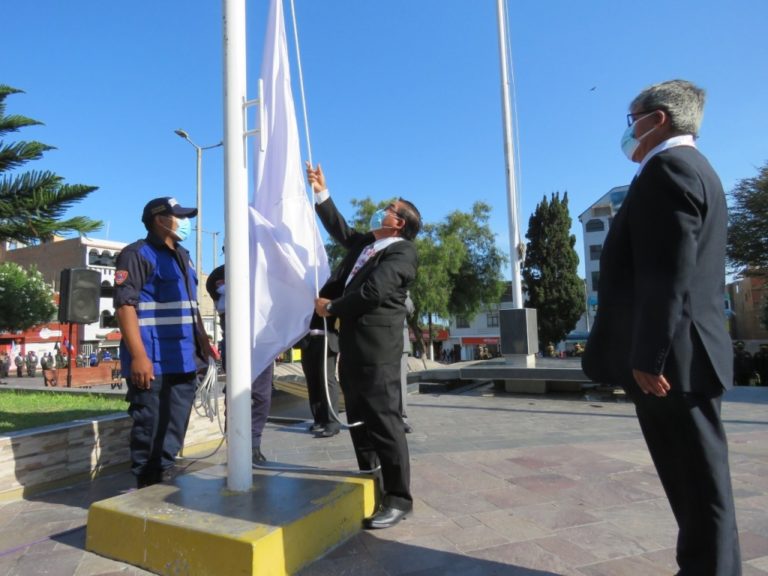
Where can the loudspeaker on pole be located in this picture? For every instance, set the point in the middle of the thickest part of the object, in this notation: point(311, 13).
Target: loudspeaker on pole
point(79, 295)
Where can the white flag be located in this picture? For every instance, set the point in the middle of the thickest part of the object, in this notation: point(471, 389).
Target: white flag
point(286, 248)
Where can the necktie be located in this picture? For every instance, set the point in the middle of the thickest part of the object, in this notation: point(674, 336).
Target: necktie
point(365, 255)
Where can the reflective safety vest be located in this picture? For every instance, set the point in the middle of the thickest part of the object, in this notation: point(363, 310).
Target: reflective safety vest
point(166, 313)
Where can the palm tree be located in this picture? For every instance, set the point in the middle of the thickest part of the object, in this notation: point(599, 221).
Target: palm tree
point(33, 203)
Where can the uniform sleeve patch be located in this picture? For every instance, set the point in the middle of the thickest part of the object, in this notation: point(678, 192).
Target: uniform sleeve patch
point(121, 276)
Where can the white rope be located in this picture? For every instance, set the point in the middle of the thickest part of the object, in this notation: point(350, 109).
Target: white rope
point(301, 83)
point(207, 395)
point(315, 236)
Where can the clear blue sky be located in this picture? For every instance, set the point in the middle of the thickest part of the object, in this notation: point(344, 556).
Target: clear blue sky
point(403, 96)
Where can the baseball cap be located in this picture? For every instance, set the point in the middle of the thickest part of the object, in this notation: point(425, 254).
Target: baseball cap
point(166, 205)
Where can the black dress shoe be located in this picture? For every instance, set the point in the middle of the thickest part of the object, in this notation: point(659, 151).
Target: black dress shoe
point(316, 427)
point(258, 457)
point(327, 432)
point(168, 475)
point(148, 478)
point(386, 517)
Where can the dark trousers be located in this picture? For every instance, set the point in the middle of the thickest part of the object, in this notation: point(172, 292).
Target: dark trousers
point(687, 442)
point(261, 403)
point(372, 395)
point(312, 357)
point(160, 416)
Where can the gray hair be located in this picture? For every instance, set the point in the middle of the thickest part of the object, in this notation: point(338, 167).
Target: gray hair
point(680, 99)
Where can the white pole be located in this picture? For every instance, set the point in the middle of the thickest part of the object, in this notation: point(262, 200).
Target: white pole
point(509, 155)
point(240, 474)
point(199, 237)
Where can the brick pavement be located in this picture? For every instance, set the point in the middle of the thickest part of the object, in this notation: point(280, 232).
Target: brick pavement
point(504, 484)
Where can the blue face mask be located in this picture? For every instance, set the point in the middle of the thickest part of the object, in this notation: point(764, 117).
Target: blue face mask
point(630, 142)
point(183, 228)
point(377, 220)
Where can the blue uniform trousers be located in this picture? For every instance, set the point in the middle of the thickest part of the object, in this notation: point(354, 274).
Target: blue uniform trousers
point(160, 416)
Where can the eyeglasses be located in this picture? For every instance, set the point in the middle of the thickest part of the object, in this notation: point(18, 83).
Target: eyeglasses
point(393, 209)
point(631, 116)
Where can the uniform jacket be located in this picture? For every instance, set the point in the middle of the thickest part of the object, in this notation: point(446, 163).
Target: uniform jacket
point(662, 280)
point(161, 284)
point(371, 308)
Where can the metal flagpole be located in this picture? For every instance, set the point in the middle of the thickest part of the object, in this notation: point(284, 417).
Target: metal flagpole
point(509, 155)
point(239, 458)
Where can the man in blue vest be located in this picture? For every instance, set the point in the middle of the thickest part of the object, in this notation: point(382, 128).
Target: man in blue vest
point(163, 345)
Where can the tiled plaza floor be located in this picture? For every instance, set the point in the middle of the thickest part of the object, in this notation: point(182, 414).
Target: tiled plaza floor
point(504, 484)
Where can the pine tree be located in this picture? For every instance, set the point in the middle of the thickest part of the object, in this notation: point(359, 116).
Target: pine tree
point(550, 275)
point(32, 203)
point(748, 225)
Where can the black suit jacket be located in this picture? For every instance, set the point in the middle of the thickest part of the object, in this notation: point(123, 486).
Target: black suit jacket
point(662, 280)
point(371, 308)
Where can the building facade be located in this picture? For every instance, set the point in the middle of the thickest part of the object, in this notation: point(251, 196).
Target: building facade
point(477, 338)
point(50, 258)
point(747, 298)
point(595, 222)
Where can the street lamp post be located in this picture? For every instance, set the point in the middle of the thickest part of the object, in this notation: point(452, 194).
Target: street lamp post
point(586, 302)
point(199, 239)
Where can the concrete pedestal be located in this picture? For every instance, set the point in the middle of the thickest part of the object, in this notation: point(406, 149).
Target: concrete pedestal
point(197, 526)
point(519, 336)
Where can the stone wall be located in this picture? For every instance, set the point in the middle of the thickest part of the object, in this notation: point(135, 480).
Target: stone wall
point(39, 459)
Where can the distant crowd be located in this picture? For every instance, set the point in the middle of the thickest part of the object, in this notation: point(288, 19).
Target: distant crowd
point(27, 365)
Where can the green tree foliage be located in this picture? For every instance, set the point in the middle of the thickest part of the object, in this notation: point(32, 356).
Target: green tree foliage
point(478, 281)
point(25, 299)
point(33, 203)
point(440, 259)
point(748, 225)
point(550, 270)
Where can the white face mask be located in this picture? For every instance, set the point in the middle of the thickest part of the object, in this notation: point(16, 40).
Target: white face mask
point(630, 142)
point(183, 228)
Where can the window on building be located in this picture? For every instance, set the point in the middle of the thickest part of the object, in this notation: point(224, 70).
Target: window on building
point(462, 322)
point(595, 279)
point(595, 225)
point(93, 257)
point(601, 211)
point(492, 319)
point(108, 259)
point(107, 290)
point(594, 251)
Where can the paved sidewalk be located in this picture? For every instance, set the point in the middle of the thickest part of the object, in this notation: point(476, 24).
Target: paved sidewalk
point(504, 485)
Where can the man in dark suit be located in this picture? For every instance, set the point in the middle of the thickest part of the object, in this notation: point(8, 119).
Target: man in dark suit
point(660, 330)
point(367, 293)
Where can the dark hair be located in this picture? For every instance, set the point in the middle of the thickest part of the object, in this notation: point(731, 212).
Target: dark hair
point(412, 217)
